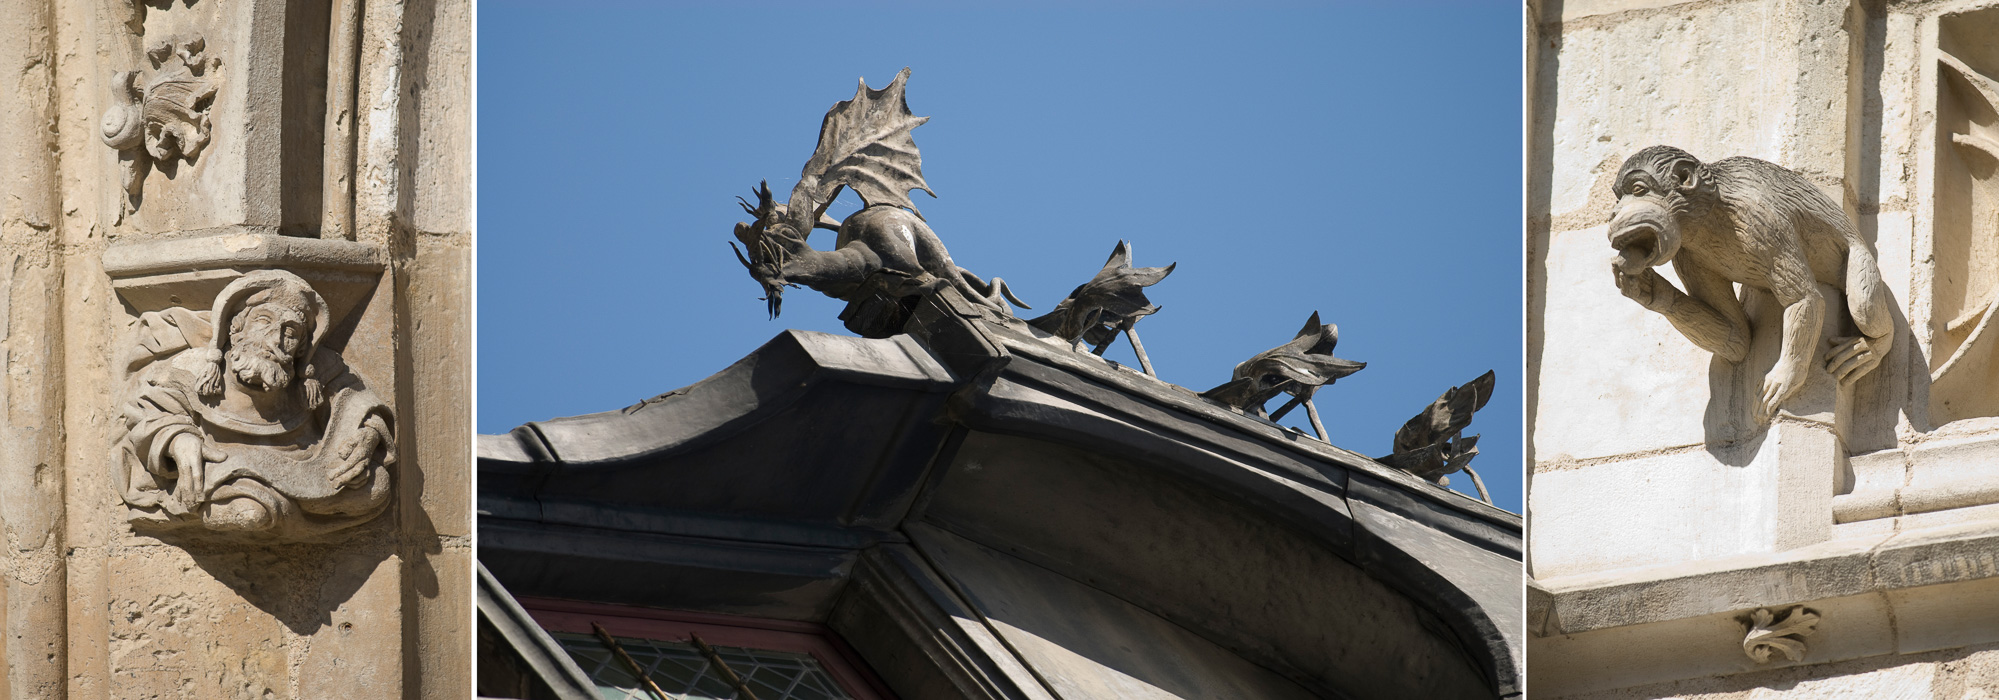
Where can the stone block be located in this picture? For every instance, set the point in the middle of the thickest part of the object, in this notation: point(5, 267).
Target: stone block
point(1686, 505)
point(1614, 378)
point(1946, 617)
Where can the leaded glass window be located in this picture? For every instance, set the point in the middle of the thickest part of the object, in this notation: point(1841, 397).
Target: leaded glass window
point(686, 674)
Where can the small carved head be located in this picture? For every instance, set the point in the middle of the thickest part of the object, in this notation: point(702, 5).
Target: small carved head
point(168, 113)
point(1655, 188)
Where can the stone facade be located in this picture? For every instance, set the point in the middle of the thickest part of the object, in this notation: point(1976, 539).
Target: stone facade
point(185, 185)
point(1674, 535)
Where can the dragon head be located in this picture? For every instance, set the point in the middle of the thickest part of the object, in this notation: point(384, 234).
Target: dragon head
point(766, 238)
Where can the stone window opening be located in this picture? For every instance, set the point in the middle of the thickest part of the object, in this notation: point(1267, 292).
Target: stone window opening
point(775, 659)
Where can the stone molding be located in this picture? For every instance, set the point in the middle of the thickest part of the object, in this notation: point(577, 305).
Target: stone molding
point(233, 247)
point(1834, 569)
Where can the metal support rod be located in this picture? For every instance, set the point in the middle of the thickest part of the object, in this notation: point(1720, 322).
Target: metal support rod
point(1475, 481)
point(1139, 348)
point(1312, 412)
point(637, 671)
point(1106, 345)
point(728, 674)
point(1286, 408)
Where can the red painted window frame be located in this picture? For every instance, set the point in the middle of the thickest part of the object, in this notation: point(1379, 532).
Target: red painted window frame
point(826, 647)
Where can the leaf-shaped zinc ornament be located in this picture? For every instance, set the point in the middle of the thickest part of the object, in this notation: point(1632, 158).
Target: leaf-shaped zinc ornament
point(1097, 309)
point(864, 143)
point(1444, 418)
point(1298, 368)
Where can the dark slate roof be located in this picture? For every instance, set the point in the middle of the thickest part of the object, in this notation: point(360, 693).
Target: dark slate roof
point(756, 489)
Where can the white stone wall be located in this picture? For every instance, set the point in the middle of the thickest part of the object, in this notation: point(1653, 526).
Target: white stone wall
point(1637, 474)
point(1841, 93)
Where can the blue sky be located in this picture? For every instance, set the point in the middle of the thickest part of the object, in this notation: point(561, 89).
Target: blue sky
point(1362, 161)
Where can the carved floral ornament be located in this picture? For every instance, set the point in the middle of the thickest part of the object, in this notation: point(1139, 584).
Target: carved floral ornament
point(162, 116)
point(238, 420)
point(1766, 634)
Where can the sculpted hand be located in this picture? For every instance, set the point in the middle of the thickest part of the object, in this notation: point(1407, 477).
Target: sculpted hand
point(354, 457)
point(191, 459)
point(1854, 357)
point(1647, 288)
point(1783, 380)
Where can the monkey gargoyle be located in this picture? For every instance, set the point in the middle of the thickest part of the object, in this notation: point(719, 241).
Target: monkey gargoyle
point(885, 251)
point(1748, 222)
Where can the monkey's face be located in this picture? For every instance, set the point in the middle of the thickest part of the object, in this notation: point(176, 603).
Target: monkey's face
point(1644, 227)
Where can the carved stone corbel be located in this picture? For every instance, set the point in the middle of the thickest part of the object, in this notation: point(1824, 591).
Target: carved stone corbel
point(1766, 634)
point(241, 416)
point(163, 116)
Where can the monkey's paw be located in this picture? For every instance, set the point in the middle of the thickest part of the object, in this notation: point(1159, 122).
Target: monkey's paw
point(1854, 357)
point(1645, 287)
point(1779, 385)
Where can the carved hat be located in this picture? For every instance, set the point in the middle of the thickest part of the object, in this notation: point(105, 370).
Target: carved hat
point(236, 296)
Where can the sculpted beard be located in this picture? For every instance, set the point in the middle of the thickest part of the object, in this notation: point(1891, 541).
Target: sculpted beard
point(258, 360)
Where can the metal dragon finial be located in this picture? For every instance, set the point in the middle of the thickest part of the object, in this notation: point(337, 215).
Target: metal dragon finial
point(886, 253)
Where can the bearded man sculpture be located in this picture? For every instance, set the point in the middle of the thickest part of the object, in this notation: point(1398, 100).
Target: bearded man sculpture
point(238, 420)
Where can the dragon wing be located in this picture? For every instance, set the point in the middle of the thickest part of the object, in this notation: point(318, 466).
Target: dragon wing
point(864, 143)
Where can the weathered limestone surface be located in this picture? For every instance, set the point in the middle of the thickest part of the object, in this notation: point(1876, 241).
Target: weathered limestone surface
point(337, 149)
point(1659, 518)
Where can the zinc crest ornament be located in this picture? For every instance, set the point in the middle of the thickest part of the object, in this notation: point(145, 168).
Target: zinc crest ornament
point(1111, 302)
point(886, 259)
point(1298, 368)
point(237, 419)
point(1431, 445)
point(162, 115)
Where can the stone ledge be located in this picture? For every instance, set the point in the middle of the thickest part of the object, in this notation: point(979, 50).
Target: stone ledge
point(1834, 569)
point(1948, 474)
point(1692, 656)
point(238, 249)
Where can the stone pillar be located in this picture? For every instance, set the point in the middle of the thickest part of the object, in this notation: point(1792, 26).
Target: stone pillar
point(32, 465)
